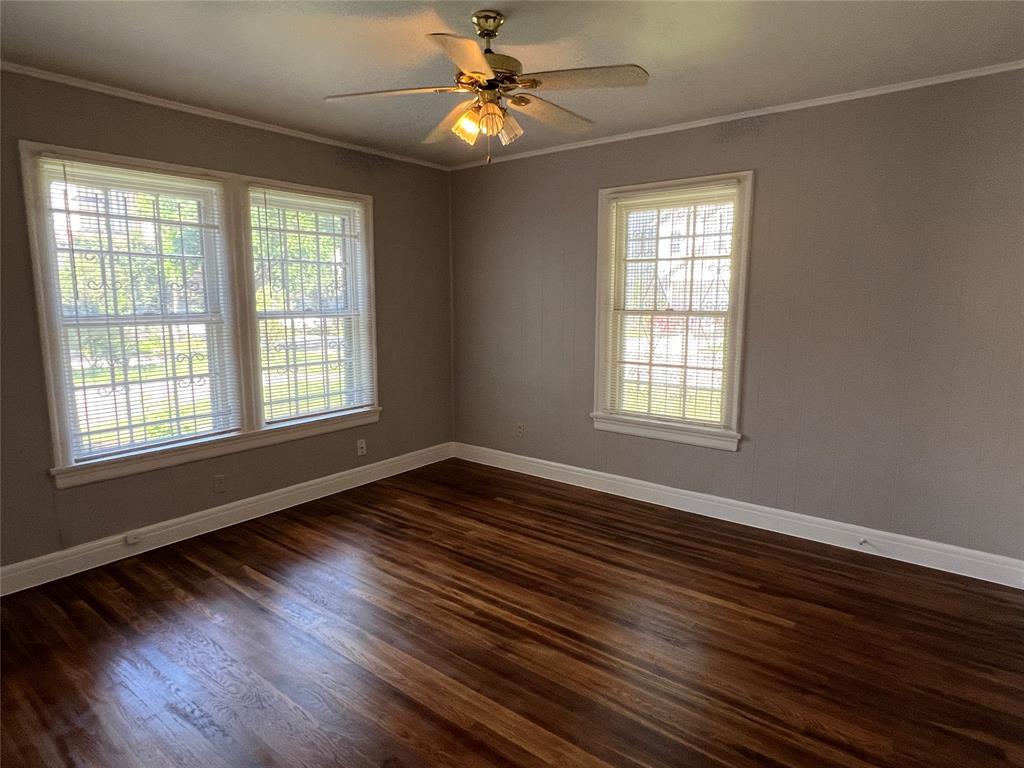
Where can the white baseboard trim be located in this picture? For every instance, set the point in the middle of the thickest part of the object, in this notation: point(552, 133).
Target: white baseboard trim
point(39, 570)
point(931, 554)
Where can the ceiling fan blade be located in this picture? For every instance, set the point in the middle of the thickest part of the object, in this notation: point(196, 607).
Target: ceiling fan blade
point(466, 54)
point(549, 114)
point(444, 128)
point(397, 92)
point(618, 76)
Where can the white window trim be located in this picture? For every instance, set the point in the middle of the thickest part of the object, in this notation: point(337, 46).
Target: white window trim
point(253, 433)
point(727, 437)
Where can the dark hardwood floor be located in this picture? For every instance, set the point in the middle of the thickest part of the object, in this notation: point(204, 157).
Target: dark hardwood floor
point(464, 616)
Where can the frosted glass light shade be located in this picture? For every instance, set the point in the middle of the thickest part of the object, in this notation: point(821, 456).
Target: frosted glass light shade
point(491, 119)
point(511, 131)
point(467, 127)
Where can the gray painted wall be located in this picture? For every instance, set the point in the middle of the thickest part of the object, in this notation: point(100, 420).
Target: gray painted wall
point(883, 381)
point(413, 319)
point(883, 363)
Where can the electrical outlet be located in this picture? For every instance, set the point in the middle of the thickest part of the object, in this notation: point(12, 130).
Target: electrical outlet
point(218, 483)
point(520, 430)
point(360, 447)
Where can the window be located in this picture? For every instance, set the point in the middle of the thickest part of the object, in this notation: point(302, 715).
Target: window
point(141, 316)
point(312, 304)
point(671, 283)
point(170, 335)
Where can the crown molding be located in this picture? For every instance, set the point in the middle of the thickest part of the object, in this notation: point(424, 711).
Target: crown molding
point(213, 114)
point(864, 93)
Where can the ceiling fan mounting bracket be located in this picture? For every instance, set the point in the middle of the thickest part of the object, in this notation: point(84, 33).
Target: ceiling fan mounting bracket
point(487, 23)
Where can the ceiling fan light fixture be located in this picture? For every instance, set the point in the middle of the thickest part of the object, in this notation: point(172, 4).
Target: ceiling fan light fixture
point(510, 131)
point(492, 119)
point(491, 81)
point(467, 127)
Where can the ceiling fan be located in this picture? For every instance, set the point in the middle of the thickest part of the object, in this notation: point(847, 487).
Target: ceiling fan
point(497, 87)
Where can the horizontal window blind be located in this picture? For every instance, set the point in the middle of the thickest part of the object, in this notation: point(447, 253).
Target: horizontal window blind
point(313, 303)
point(138, 278)
point(671, 303)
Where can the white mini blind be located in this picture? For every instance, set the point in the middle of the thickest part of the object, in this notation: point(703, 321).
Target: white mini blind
point(137, 282)
point(671, 300)
point(313, 303)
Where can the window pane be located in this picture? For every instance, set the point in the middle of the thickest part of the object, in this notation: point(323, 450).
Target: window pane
point(705, 344)
point(312, 304)
point(713, 219)
point(704, 395)
point(669, 340)
point(667, 392)
point(676, 222)
point(635, 339)
point(641, 285)
point(711, 284)
point(642, 235)
point(143, 384)
point(139, 274)
point(635, 388)
point(674, 280)
point(309, 366)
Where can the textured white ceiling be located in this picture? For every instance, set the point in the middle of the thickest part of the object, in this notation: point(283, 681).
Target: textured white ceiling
point(274, 61)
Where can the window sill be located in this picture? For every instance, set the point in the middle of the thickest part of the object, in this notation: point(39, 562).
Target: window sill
point(691, 434)
point(205, 448)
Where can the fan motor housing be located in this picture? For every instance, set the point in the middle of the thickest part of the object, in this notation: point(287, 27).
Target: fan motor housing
point(502, 64)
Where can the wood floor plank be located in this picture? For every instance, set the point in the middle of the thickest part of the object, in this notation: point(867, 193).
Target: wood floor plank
point(460, 615)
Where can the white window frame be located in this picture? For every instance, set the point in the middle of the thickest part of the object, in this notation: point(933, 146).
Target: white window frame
point(254, 432)
point(726, 437)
